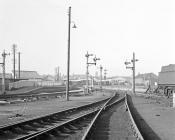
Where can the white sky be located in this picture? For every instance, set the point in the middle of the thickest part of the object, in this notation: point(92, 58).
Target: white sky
point(111, 29)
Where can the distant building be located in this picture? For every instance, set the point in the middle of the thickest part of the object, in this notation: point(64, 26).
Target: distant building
point(166, 79)
point(75, 77)
point(48, 78)
point(28, 75)
point(167, 75)
point(8, 79)
point(146, 79)
point(116, 80)
point(7, 76)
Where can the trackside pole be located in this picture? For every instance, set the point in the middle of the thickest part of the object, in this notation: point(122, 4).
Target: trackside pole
point(173, 98)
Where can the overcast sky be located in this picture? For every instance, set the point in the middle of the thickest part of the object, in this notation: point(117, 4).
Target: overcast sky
point(111, 29)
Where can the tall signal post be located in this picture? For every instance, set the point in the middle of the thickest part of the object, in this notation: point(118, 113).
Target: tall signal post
point(4, 54)
point(101, 69)
point(87, 69)
point(133, 60)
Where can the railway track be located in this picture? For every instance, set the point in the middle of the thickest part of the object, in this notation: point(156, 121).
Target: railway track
point(115, 122)
point(72, 124)
point(22, 129)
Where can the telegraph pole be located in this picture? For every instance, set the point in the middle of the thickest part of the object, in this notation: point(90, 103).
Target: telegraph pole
point(101, 69)
point(58, 73)
point(19, 64)
point(14, 61)
point(3, 75)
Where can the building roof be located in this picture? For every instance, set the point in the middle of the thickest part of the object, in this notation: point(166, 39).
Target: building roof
point(147, 76)
point(28, 75)
point(168, 68)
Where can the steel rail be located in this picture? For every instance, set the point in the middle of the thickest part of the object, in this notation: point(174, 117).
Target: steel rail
point(116, 101)
point(138, 133)
point(47, 130)
point(32, 120)
point(48, 115)
point(107, 104)
point(50, 130)
point(33, 136)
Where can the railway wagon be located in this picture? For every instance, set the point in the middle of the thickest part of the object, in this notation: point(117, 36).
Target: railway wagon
point(166, 79)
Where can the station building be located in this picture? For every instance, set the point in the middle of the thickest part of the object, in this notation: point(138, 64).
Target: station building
point(26, 79)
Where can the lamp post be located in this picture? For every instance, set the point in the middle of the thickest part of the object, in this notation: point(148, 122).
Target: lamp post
point(19, 64)
point(133, 69)
point(68, 53)
point(87, 69)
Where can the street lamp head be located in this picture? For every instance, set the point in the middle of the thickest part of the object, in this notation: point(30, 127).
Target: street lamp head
point(74, 26)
